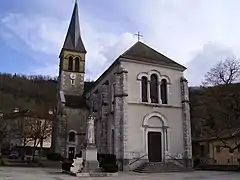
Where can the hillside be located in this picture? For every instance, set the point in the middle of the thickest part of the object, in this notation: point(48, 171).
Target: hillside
point(38, 93)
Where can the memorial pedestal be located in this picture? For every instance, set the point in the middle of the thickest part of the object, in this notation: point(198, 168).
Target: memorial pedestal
point(90, 159)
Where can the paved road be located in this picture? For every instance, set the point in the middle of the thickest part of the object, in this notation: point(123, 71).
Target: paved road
point(10, 173)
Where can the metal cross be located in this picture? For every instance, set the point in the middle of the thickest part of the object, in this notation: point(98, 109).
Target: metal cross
point(138, 35)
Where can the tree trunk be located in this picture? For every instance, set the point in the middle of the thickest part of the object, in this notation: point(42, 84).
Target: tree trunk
point(34, 147)
point(41, 147)
point(24, 149)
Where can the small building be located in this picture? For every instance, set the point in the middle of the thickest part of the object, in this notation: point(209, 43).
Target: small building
point(221, 150)
point(26, 130)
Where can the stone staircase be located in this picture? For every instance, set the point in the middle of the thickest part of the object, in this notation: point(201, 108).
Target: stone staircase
point(158, 167)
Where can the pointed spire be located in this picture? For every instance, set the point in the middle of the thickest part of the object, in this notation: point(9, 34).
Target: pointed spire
point(73, 40)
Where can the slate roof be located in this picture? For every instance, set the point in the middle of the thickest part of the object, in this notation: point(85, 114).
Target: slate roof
point(88, 86)
point(73, 101)
point(76, 101)
point(73, 40)
point(13, 115)
point(224, 134)
point(141, 52)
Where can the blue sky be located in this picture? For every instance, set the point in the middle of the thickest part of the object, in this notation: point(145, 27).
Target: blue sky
point(196, 34)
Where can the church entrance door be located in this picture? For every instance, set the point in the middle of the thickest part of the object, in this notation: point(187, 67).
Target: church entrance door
point(154, 146)
point(71, 153)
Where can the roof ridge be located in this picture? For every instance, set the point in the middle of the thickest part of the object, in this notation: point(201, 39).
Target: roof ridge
point(143, 52)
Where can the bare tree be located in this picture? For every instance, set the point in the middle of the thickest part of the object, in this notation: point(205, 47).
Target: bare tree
point(219, 109)
point(224, 72)
point(36, 131)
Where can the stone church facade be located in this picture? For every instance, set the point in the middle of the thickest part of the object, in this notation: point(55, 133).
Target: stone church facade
point(140, 104)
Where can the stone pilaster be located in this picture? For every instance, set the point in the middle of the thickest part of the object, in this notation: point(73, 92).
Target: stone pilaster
point(97, 114)
point(186, 123)
point(104, 118)
point(61, 127)
point(120, 115)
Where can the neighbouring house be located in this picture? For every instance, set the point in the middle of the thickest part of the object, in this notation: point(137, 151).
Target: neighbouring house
point(221, 150)
point(12, 125)
point(28, 130)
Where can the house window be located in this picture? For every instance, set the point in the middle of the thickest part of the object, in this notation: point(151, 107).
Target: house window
point(144, 89)
point(77, 64)
point(202, 150)
point(113, 91)
point(72, 82)
point(70, 63)
point(164, 91)
point(154, 88)
point(71, 137)
point(218, 149)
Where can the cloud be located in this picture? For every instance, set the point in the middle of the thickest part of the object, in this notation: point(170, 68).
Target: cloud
point(181, 30)
point(42, 34)
point(210, 54)
point(45, 35)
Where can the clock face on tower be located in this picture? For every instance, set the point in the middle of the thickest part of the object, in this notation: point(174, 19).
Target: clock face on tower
point(73, 76)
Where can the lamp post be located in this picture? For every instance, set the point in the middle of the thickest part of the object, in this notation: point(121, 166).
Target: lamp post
point(52, 113)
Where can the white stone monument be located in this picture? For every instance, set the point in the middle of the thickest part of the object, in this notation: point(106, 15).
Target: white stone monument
point(77, 165)
point(90, 151)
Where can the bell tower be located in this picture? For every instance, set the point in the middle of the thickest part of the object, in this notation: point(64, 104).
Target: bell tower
point(72, 59)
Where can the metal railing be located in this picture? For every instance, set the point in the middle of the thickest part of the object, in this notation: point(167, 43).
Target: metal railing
point(175, 159)
point(138, 159)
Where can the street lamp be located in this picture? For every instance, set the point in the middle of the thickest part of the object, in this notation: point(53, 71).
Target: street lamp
point(16, 110)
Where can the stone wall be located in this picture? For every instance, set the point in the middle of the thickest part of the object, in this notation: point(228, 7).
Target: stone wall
point(60, 127)
point(69, 119)
point(67, 87)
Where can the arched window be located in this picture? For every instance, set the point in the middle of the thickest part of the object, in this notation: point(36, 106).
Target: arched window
point(164, 91)
point(144, 89)
point(70, 63)
point(154, 88)
point(77, 64)
point(71, 137)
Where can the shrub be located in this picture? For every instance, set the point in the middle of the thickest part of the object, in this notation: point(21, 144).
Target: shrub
point(106, 159)
point(66, 166)
point(54, 157)
point(107, 162)
point(110, 168)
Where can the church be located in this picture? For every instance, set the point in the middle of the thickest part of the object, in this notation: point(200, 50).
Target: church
point(140, 104)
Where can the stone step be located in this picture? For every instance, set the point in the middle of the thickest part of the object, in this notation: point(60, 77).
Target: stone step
point(157, 171)
point(158, 167)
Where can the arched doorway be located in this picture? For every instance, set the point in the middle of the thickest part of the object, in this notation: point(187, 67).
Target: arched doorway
point(156, 136)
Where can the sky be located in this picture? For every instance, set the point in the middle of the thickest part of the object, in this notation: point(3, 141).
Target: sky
point(197, 34)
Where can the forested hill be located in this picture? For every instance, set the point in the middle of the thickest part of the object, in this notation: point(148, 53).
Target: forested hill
point(19, 91)
point(38, 93)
